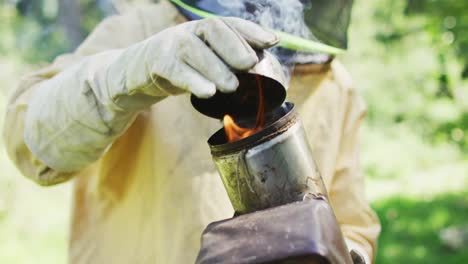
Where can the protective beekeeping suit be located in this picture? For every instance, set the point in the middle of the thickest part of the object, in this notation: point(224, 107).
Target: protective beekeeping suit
point(115, 116)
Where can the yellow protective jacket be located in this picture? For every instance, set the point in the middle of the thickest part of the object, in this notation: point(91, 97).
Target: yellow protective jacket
point(147, 199)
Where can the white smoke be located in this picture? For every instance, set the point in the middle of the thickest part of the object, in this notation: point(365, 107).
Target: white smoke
point(282, 15)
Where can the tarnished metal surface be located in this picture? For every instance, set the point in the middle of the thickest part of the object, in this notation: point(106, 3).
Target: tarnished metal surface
point(273, 168)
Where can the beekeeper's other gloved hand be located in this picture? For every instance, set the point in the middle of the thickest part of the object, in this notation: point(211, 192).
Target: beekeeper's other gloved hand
point(74, 116)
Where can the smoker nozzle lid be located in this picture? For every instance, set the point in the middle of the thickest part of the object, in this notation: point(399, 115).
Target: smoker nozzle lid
point(243, 103)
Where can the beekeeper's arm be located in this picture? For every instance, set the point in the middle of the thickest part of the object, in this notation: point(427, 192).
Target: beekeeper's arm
point(65, 117)
point(358, 222)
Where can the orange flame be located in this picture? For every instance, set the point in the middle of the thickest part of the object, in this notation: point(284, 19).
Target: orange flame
point(235, 132)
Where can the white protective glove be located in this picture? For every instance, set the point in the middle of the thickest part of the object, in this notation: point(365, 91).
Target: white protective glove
point(74, 116)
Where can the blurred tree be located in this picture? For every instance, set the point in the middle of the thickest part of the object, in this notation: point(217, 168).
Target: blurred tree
point(69, 17)
point(435, 100)
point(47, 28)
point(448, 21)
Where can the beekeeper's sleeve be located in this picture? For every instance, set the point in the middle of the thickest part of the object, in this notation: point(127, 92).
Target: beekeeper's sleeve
point(358, 221)
point(130, 29)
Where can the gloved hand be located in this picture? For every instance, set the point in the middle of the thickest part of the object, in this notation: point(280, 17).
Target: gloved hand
point(196, 57)
point(73, 117)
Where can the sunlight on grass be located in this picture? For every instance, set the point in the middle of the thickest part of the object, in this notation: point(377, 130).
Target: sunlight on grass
point(411, 226)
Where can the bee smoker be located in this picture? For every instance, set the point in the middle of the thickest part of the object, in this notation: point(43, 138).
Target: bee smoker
point(270, 168)
point(280, 202)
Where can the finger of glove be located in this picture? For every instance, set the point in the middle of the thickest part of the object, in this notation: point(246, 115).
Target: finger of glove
point(227, 43)
point(257, 36)
point(189, 79)
point(195, 53)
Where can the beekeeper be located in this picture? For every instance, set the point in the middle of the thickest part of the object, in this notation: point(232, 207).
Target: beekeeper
point(115, 116)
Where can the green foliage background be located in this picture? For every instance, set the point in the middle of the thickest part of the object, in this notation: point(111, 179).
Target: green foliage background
point(408, 58)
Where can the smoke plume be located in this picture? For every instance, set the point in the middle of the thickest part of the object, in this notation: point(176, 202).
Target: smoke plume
point(283, 15)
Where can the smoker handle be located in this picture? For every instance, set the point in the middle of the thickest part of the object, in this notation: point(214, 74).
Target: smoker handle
point(301, 232)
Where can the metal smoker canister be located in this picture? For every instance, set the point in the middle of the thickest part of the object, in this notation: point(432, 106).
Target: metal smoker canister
point(270, 168)
point(275, 165)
